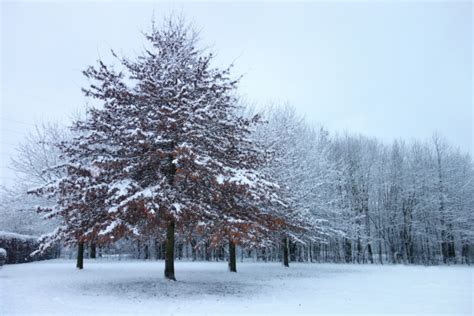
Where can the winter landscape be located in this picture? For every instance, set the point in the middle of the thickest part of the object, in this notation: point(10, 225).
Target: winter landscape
point(166, 183)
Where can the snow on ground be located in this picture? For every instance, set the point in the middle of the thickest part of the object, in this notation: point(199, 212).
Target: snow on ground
point(55, 287)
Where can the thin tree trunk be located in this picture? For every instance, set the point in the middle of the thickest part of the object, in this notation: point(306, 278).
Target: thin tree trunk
point(93, 251)
point(369, 250)
point(157, 249)
point(139, 249)
point(286, 261)
point(80, 256)
point(359, 250)
point(169, 256)
point(193, 249)
point(207, 251)
point(146, 251)
point(232, 257)
point(347, 250)
point(380, 251)
point(465, 252)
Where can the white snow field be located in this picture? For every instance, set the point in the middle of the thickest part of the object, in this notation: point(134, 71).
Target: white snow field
point(56, 287)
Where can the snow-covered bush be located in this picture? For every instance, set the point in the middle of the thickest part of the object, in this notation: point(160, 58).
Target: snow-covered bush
point(3, 256)
point(19, 248)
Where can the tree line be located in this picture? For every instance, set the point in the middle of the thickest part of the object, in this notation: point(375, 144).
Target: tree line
point(409, 202)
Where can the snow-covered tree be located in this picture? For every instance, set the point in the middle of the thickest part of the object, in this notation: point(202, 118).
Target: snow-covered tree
point(34, 156)
point(299, 164)
point(166, 144)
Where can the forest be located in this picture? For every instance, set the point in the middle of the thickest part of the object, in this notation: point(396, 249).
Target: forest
point(171, 163)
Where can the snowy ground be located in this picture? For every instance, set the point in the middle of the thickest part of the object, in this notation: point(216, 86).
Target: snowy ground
point(138, 288)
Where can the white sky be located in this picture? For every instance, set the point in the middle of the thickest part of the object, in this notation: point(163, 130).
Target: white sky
point(389, 69)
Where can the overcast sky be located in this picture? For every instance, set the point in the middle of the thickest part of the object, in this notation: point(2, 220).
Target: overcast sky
point(387, 69)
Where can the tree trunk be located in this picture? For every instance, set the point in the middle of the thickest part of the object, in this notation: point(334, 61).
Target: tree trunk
point(369, 250)
point(80, 256)
point(232, 257)
point(93, 251)
point(207, 251)
point(465, 253)
point(347, 250)
point(180, 251)
point(146, 251)
point(169, 256)
point(193, 249)
point(380, 251)
point(359, 250)
point(156, 246)
point(286, 261)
